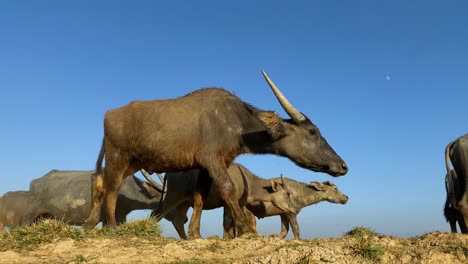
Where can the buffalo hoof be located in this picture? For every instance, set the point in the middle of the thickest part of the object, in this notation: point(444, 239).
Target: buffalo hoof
point(88, 225)
point(195, 237)
point(282, 236)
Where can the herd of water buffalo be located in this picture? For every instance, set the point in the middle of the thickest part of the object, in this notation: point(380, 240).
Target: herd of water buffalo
point(194, 139)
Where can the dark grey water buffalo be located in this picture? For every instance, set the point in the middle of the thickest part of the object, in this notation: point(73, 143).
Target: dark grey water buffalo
point(456, 152)
point(66, 195)
point(205, 129)
point(13, 205)
point(453, 215)
point(182, 186)
point(301, 194)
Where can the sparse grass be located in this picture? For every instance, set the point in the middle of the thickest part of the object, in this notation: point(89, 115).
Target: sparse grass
point(146, 228)
point(79, 259)
point(361, 231)
point(369, 250)
point(365, 245)
point(46, 231)
point(35, 234)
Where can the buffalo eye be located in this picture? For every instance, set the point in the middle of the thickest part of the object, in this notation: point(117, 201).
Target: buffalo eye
point(312, 131)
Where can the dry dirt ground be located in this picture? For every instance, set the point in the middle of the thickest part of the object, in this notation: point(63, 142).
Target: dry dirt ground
point(429, 248)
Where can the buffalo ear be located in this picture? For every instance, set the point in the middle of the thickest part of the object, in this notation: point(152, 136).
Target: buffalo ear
point(274, 185)
point(329, 183)
point(273, 123)
point(316, 186)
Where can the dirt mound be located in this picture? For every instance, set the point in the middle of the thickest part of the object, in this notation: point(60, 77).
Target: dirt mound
point(430, 248)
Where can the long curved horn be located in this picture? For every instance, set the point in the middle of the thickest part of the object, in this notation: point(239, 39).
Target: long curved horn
point(295, 115)
point(161, 178)
point(151, 181)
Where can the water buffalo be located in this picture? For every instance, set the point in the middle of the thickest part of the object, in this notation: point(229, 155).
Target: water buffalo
point(66, 195)
point(182, 186)
point(205, 129)
point(456, 152)
point(12, 208)
point(301, 194)
point(453, 215)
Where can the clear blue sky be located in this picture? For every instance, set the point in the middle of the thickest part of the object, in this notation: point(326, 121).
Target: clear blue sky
point(385, 81)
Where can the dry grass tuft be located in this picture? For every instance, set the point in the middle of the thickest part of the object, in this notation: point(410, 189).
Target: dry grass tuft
point(49, 230)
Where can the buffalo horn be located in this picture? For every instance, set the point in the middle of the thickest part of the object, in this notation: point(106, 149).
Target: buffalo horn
point(295, 115)
point(161, 178)
point(150, 180)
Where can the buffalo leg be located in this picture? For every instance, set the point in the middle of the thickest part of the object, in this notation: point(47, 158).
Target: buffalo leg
point(284, 226)
point(179, 220)
point(203, 186)
point(228, 225)
point(222, 181)
point(194, 226)
point(118, 166)
point(112, 186)
point(461, 223)
point(169, 205)
point(294, 226)
point(251, 218)
point(463, 208)
point(453, 224)
point(97, 194)
point(2, 226)
point(459, 158)
point(120, 218)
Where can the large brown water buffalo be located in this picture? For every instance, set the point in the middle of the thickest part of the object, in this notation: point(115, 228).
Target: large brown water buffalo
point(457, 153)
point(453, 215)
point(301, 194)
point(205, 129)
point(182, 186)
point(66, 195)
point(12, 208)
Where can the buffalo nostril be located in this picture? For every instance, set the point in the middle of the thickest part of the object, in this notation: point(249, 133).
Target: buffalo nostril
point(344, 167)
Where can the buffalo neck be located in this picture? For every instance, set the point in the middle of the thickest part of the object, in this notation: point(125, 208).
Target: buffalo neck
point(258, 189)
point(256, 139)
point(258, 142)
point(302, 195)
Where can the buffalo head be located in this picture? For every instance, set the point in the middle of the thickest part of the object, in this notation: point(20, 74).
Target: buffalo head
point(299, 139)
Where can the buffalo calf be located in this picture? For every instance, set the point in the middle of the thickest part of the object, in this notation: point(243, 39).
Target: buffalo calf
point(183, 191)
point(302, 195)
